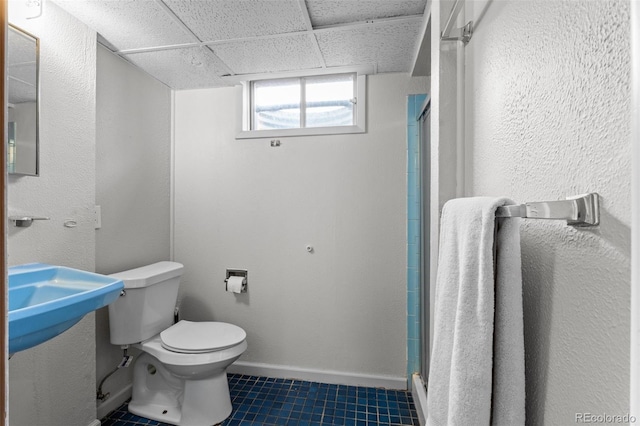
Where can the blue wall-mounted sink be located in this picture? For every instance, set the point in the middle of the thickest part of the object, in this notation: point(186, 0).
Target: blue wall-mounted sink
point(46, 300)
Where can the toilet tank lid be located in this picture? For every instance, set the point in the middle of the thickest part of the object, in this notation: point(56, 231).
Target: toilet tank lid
point(150, 274)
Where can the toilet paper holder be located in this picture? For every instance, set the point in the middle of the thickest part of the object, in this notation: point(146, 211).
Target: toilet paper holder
point(237, 273)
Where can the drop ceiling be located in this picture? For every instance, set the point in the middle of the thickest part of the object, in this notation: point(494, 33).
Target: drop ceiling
point(21, 67)
point(189, 44)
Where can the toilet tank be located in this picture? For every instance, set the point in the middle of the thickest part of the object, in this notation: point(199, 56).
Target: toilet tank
point(148, 303)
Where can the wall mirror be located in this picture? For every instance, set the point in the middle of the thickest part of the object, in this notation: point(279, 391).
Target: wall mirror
point(23, 91)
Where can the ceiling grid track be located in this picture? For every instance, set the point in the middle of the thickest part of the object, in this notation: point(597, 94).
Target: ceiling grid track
point(186, 29)
point(255, 38)
point(369, 23)
point(312, 36)
point(158, 48)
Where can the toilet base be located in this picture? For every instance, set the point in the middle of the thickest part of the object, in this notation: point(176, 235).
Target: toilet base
point(162, 413)
point(158, 395)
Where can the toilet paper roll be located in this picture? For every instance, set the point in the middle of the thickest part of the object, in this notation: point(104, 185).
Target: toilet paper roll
point(235, 284)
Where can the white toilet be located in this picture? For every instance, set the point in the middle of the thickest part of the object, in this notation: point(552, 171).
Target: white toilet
point(181, 376)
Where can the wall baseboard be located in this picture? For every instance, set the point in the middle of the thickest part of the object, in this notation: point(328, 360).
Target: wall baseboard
point(96, 422)
point(419, 394)
point(321, 376)
point(115, 400)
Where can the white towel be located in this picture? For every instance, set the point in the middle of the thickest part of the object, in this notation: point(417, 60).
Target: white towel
point(476, 375)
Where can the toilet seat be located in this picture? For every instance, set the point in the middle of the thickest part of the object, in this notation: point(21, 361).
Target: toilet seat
point(201, 337)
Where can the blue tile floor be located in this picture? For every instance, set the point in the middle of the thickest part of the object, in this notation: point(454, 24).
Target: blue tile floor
point(267, 401)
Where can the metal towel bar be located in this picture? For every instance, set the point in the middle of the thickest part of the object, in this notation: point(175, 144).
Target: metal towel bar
point(581, 210)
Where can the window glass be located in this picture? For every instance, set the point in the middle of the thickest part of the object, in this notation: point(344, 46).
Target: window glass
point(304, 102)
point(329, 100)
point(276, 104)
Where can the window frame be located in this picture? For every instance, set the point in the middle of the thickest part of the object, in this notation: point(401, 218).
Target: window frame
point(359, 111)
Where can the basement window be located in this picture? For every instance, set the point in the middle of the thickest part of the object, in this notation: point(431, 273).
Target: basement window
point(297, 106)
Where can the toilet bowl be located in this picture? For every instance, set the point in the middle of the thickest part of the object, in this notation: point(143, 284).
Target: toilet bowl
point(196, 350)
point(181, 376)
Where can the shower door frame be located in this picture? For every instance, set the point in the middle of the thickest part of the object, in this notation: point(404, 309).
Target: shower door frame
point(424, 128)
point(4, 365)
point(634, 384)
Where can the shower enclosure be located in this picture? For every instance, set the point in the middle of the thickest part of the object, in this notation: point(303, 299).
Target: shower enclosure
point(418, 196)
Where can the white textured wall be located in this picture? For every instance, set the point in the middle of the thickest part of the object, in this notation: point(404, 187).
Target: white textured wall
point(133, 145)
point(243, 204)
point(548, 114)
point(53, 384)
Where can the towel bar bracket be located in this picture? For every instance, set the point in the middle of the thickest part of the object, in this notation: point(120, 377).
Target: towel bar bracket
point(588, 209)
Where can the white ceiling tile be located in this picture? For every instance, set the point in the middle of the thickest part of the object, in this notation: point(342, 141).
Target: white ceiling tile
point(294, 52)
point(265, 28)
point(227, 19)
point(128, 24)
point(20, 92)
point(22, 48)
point(21, 67)
point(22, 84)
point(190, 68)
point(390, 47)
point(332, 12)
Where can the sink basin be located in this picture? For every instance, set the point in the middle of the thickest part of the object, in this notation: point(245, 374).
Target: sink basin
point(46, 300)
